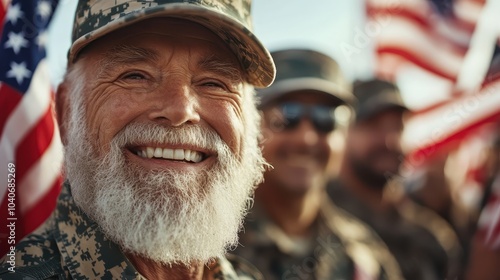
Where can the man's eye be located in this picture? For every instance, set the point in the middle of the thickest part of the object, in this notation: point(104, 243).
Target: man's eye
point(134, 76)
point(214, 84)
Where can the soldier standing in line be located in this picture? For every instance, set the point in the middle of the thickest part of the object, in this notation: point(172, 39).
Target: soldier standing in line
point(425, 246)
point(294, 231)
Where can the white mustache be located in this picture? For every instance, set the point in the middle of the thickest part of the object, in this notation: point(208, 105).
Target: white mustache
point(193, 135)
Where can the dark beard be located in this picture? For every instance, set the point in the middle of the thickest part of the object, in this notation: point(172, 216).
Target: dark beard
point(368, 176)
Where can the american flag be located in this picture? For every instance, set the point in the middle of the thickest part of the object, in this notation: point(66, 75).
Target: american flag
point(423, 44)
point(415, 33)
point(29, 136)
point(427, 47)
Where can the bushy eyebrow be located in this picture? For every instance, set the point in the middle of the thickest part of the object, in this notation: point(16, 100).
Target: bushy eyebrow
point(127, 54)
point(221, 67)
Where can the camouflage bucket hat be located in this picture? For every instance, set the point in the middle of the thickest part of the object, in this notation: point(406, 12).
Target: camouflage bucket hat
point(228, 19)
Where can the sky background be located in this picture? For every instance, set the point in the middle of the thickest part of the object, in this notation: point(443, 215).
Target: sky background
point(328, 26)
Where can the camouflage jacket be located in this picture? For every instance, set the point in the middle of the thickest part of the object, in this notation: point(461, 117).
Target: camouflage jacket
point(70, 246)
point(424, 245)
point(340, 248)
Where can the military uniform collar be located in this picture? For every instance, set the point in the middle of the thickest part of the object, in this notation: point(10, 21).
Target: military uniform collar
point(264, 233)
point(86, 252)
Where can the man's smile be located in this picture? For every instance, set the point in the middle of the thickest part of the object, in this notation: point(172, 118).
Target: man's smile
point(171, 154)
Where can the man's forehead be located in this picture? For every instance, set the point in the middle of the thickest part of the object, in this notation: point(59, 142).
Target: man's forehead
point(384, 117)
point(128, 52)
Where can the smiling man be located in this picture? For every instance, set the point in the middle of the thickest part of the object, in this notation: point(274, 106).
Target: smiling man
point(293, 230)
point(158, 119)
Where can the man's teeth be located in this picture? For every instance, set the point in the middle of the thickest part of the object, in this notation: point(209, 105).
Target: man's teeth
point(175, 154)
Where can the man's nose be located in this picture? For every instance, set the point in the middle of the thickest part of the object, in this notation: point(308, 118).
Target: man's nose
point(392, 140)
point(176, 104)
point(305, 134)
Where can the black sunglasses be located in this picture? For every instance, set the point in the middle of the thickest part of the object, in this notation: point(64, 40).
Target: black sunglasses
point(322, 117)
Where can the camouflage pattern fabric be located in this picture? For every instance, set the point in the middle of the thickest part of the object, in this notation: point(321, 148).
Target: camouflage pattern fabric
point(340, 248)
point(424, 246)
point(228, 19)
point(70, 246)
point(95, 14)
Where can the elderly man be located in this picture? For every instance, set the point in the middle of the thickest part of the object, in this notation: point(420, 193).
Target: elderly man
point(424, 245)
point(158, 119)
point(293, 230)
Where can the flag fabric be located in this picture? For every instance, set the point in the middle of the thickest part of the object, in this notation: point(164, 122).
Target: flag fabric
point(30, 147)
point(422, 45)
point(2, 11)
point(445, 126)
point(489, 219)
point(416, 33)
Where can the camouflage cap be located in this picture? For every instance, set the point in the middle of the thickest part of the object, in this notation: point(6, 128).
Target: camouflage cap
point(229, 19)
point(375, 96)
point(303, 69)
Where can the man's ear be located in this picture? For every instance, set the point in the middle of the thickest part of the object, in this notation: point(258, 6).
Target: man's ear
point(62, 110)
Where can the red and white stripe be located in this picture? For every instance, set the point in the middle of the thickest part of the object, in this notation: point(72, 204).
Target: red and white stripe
point(467, 12)
point(412, 33)
point(29, 137)
point(413, 43)
point(446, 124)
point(31, 126)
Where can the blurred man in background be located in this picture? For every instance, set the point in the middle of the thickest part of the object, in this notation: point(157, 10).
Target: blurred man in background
point(431, 186)
point(293, 230)
point(422, 243)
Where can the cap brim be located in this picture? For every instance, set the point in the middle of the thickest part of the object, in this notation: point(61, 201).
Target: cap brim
point(253, 56)
point(288, 86)
point(374, 108)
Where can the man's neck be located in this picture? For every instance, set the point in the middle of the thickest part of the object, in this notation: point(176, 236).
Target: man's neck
point(372, 196)
point(293, 213)
point(153, 270)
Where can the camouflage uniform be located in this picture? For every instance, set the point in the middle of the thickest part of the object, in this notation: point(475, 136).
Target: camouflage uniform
point(340, 248)
point(70, 246)
point(424, 244)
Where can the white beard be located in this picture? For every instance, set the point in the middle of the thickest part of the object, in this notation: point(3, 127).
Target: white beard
point(164, 215)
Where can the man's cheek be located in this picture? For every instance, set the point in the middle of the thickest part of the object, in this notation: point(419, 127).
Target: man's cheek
point(230, 128)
